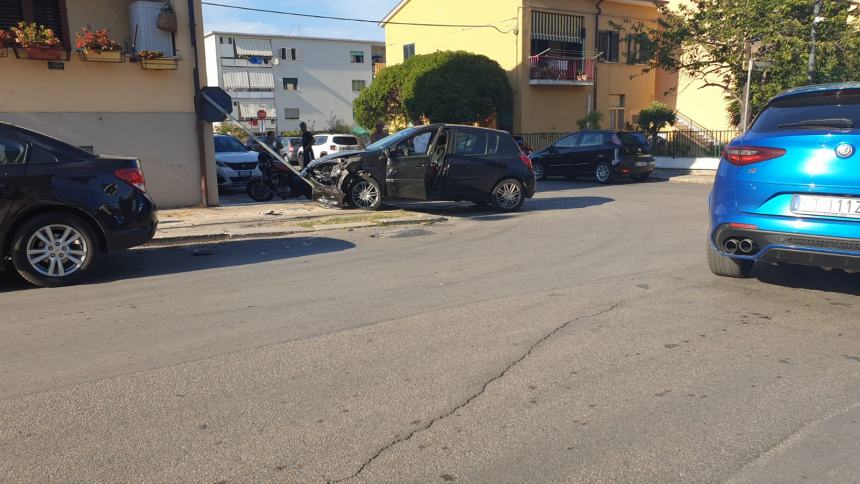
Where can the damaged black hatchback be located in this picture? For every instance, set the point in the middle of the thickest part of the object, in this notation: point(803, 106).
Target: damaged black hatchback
point(432, 162)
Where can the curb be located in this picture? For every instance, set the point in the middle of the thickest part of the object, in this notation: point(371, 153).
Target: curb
point(211, 238)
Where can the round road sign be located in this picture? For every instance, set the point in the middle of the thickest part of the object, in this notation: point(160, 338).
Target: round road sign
point(262, 114)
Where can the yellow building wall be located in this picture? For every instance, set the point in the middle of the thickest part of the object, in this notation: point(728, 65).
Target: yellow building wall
point(536, 108)
point(119, 109)
point(706, 105)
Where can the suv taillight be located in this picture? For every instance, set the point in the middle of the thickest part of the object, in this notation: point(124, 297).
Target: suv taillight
point(526, 161)
point(747, 155)
point(333, 147)
point(132, 176)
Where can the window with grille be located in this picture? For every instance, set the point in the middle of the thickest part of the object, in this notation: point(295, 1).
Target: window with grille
point(616, 111)
point(50, 13)
point(408, 51)
point(291, 53)
point(609, 42)
point(291, 113)
point(358, 85)
point(291, 84)
point(639, 49)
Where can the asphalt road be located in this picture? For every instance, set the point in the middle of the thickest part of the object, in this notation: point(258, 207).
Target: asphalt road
point(583, 339)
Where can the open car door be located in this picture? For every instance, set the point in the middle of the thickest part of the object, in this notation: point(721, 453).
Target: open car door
point(408, 165)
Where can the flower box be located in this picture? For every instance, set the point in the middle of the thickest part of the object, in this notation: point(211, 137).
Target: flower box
point(115, 56)
point(159, 64)
point(38, 53)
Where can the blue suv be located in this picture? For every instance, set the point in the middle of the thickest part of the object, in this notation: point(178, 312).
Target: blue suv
point(788, 190)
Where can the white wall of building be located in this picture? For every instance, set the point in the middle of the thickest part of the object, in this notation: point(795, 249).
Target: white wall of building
point(324, 68)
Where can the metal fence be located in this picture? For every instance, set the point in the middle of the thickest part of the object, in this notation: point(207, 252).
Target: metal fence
point(674, 143)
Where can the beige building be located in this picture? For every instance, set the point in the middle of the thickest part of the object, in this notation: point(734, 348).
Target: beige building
point(117, 108)
point(564, 58)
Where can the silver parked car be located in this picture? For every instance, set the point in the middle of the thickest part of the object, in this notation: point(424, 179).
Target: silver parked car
point(236, 164)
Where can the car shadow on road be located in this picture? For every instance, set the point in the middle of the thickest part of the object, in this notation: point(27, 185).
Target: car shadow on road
point(148, 262)
point(560, 184)
point(811, 278)
point(469, 210)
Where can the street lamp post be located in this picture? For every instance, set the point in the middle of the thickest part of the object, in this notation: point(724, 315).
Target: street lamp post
point(816, 18)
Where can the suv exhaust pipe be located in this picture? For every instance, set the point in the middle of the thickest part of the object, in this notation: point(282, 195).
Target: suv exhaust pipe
point(747, 246)
point(731, 246)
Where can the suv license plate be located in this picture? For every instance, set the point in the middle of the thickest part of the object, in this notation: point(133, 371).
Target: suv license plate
point(826, 206)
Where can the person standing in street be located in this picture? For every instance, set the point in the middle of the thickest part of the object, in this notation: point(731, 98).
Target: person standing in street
point(307, 145)
point(273, 142)
point(378, 133)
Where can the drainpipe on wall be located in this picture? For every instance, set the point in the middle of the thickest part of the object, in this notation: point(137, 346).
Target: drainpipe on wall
point(201, 135)
point(596, 48)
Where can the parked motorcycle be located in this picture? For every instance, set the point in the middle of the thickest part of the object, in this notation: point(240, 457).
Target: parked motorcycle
point(277, 181)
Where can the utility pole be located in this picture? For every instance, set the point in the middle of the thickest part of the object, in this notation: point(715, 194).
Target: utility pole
point(816, 18)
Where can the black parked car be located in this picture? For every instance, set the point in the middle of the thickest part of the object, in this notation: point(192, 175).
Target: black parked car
point(432, 162)
point(604, 155)
point(62, 208)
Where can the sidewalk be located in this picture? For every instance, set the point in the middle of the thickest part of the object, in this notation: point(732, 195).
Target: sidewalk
point(200, 225)
point(685, 176)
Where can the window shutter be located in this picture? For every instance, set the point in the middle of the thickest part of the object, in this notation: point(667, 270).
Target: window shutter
point(10, 14)
point(283, 53)
point(48, 13)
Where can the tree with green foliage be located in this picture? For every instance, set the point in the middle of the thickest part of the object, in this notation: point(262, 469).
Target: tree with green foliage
point(442, 87)
point(591, 120)
point(656, 117)
point(231, 129)
point(707, 39)
point(381, 102)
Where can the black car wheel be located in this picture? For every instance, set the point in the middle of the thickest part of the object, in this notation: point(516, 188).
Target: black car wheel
point(365, 193)
point(508, 195)
point(603, 172)
point(725, 266)
point(259, 192)
point(537, 167)
point(55, 249)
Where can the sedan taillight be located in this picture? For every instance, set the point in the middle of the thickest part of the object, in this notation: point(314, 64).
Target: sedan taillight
point(747, 155)
point(132, 176)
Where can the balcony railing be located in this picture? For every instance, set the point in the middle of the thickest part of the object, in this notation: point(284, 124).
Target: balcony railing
point(559, 70)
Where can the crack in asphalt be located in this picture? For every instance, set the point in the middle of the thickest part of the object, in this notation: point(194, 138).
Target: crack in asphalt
point(469, 400)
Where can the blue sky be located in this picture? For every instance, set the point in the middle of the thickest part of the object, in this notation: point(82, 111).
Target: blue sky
point(231, 20)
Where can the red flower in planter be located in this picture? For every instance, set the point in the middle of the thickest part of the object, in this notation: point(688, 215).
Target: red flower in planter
point(29, 35)
point(96, 41)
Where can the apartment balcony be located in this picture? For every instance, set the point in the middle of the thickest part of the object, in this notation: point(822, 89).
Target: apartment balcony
point(377, 68)
point(553, 70)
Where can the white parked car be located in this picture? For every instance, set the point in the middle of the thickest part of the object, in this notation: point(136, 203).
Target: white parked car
point(327, 144)
point(236, 164)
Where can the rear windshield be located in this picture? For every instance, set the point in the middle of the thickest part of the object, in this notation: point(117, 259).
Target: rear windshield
point(228, 144)
point(828, 111)
point(345, 140)
point(633, 139)
point(319, 140)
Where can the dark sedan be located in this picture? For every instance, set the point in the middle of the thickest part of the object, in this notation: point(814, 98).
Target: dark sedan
point(62, 208)
point(432, 162)
point(604, 155)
